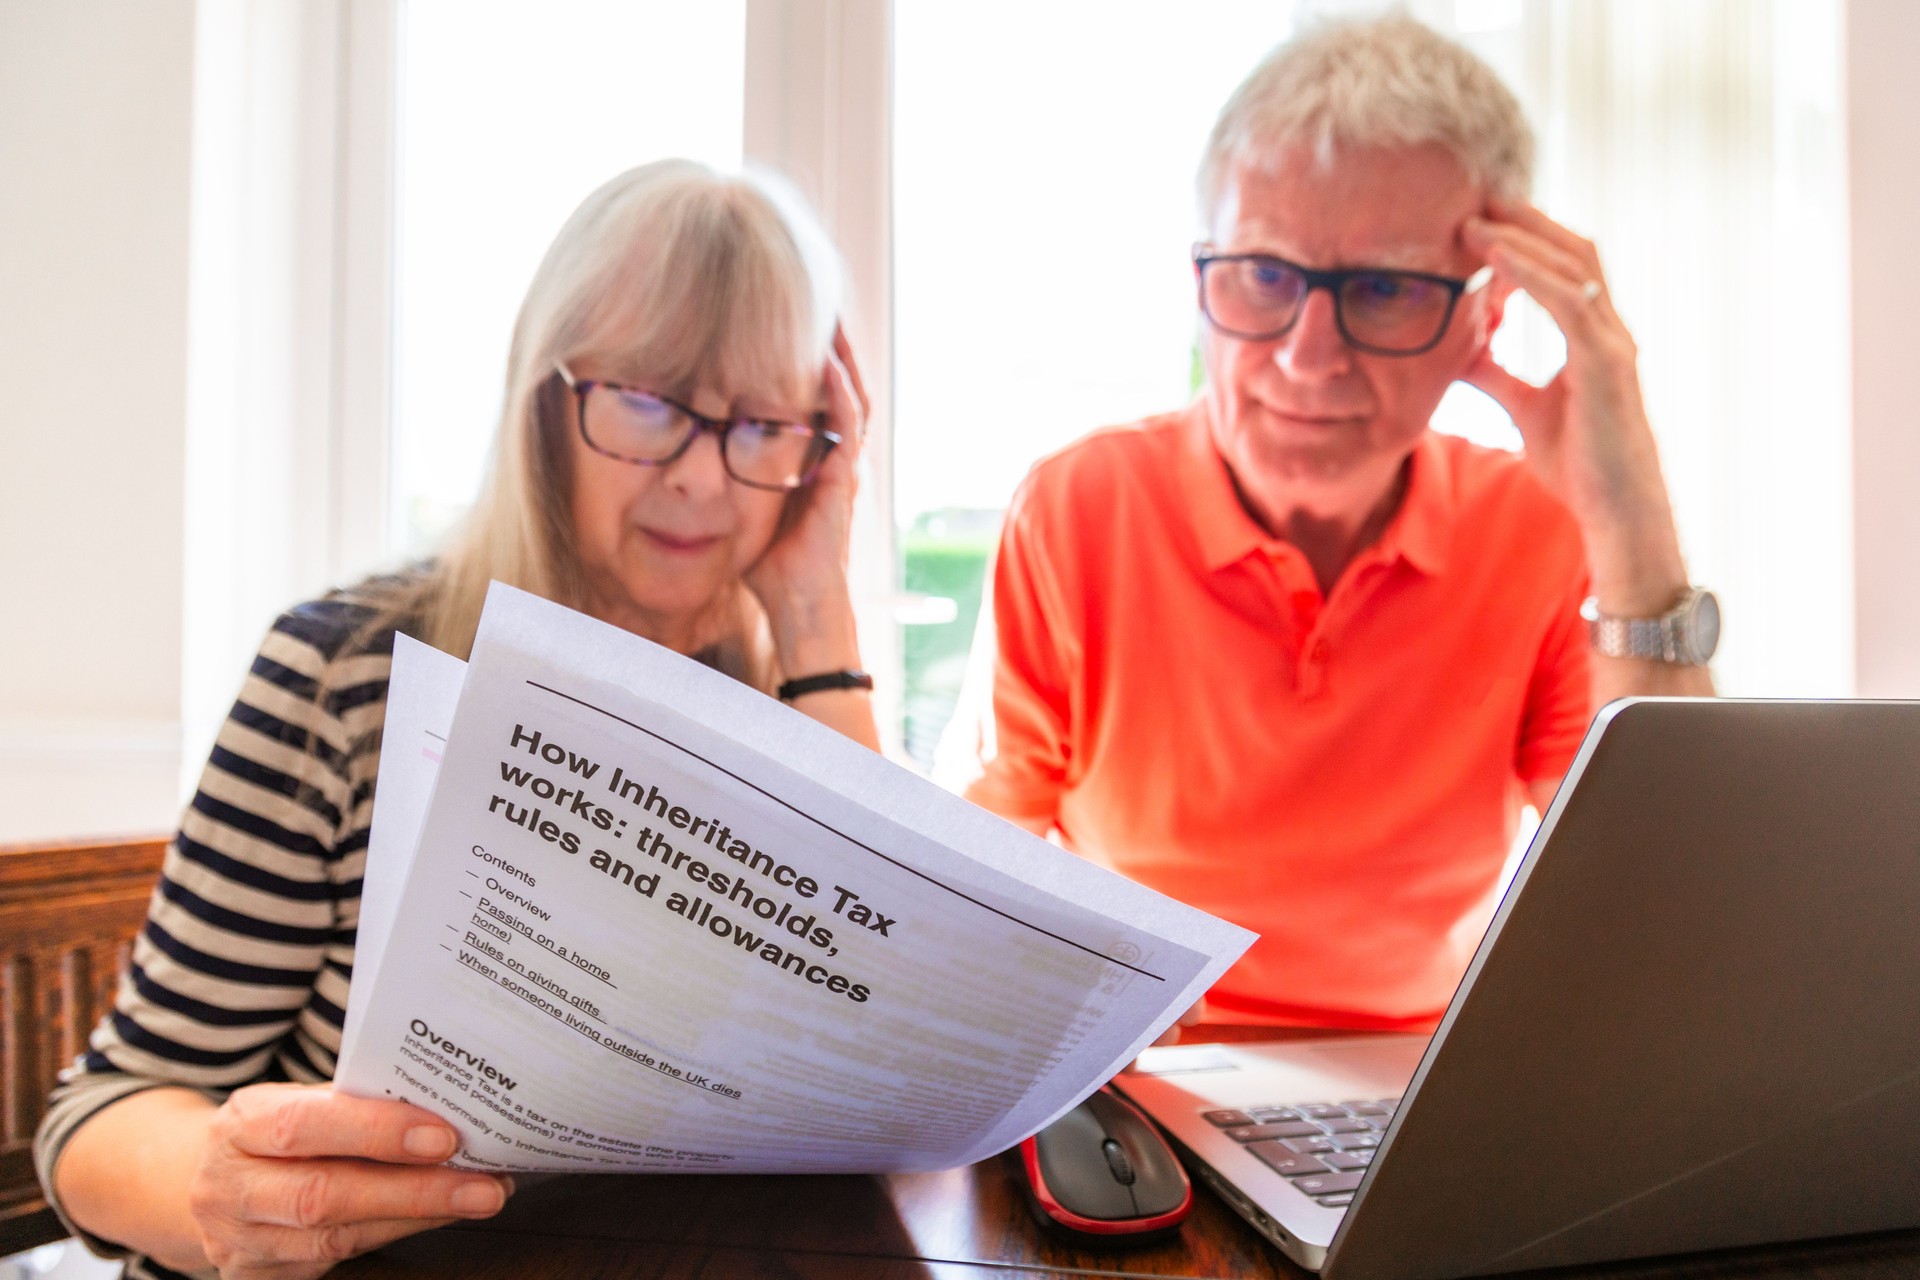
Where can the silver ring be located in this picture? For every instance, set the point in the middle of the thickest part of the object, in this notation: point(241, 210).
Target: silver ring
point(1589, 291)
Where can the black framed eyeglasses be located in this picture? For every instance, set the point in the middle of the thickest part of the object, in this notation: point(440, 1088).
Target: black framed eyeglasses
point(648, 429)
point(1391, 313)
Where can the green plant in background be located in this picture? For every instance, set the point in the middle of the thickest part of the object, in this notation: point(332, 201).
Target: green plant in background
point(945, 554)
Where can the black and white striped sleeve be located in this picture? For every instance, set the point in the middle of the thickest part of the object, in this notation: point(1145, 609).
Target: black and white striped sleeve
point(240, 973)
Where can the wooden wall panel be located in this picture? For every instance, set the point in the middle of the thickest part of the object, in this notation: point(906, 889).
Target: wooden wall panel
point(68, 914)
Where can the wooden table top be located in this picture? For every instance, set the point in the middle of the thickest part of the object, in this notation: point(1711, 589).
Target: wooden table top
point(969, 1223)
point(963, 1224)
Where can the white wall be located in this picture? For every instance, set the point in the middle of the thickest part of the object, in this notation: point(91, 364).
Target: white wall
point(287, 394)
point(95, 130)
point(1883, 156)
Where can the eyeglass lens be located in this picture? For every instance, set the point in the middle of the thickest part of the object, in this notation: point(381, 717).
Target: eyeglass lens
point(644, 428)
point(1389, 310)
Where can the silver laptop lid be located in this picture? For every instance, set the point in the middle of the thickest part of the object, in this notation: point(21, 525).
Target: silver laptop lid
point(1695, 1020)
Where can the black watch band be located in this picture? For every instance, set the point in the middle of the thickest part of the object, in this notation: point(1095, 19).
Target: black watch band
point(844, 679)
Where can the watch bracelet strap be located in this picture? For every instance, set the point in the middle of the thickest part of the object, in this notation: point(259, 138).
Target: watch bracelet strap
point(1653, 638)
point(846, 678)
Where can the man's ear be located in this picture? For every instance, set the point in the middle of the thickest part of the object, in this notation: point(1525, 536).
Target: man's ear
point(1490, 311)
point(1494, 310)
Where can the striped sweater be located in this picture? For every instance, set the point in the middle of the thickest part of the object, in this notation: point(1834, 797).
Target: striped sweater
point(240, 974)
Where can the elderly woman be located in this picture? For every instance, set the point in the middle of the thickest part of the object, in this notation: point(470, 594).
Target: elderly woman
point(676, 457)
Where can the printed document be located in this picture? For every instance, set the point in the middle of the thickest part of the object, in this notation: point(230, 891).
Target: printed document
point(623, 913)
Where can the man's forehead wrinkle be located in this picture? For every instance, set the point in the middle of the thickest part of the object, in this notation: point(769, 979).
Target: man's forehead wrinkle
point(1410, 255)
point(1370, 210)
point(1339, 247)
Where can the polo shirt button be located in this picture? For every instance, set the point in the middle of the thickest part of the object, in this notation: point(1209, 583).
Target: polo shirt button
point(1320, 651)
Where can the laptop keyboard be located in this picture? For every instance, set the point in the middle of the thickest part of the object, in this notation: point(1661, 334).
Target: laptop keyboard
point(1321, 1148)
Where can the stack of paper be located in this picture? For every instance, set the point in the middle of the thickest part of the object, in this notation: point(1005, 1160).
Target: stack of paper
point(623, 913)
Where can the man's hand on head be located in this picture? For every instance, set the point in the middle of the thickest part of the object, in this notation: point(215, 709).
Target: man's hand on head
point(1586, 431)
point(1587, 435)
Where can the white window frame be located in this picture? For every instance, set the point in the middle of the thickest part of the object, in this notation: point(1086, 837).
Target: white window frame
point(819, 108)
point(295, 188)
point(290, 326)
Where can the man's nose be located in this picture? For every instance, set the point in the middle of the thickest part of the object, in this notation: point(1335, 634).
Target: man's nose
point(1314, 347)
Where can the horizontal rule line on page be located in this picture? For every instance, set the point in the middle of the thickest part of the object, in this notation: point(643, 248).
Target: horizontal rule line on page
point(1025, 924)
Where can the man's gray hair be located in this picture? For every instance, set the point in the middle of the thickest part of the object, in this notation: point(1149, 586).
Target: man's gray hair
point(1387, 81)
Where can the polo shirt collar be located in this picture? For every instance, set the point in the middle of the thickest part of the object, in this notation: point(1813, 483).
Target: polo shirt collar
point(1419, 533)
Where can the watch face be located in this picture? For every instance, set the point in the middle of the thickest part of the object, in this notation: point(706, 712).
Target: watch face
point(1703, 626)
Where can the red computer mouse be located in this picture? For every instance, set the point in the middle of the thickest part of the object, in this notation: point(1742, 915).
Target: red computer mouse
point(1104, 1174)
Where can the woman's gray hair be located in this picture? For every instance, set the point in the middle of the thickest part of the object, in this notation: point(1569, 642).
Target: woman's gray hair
point(1386, 81)
point(670, 275)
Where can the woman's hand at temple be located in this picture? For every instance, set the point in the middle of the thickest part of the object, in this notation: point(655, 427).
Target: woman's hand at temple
point(806, 567)
point(801, 580)
point(288, 1180)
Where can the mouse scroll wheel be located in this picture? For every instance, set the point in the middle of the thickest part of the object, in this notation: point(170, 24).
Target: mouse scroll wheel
point(1117, 1161)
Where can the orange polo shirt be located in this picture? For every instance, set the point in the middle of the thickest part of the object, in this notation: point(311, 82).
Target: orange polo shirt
point(1342, 776)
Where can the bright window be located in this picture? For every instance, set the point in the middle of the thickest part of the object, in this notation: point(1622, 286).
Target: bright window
point(1043, 203)
point(509, 115)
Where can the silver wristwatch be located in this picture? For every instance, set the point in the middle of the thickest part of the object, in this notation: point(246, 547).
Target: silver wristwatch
point(1686, 634)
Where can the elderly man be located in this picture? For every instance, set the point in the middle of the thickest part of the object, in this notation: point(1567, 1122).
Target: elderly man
point(1291, 656)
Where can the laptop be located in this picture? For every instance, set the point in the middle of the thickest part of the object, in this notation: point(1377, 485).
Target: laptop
point(1693, 1023)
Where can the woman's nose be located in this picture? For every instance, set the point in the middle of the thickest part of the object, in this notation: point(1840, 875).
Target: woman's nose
point(701, 471)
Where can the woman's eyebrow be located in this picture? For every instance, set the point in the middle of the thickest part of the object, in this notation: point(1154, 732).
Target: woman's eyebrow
point(753, 404)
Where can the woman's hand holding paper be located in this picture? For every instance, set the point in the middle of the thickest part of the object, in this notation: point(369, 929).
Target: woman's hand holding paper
point(296, 1178)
